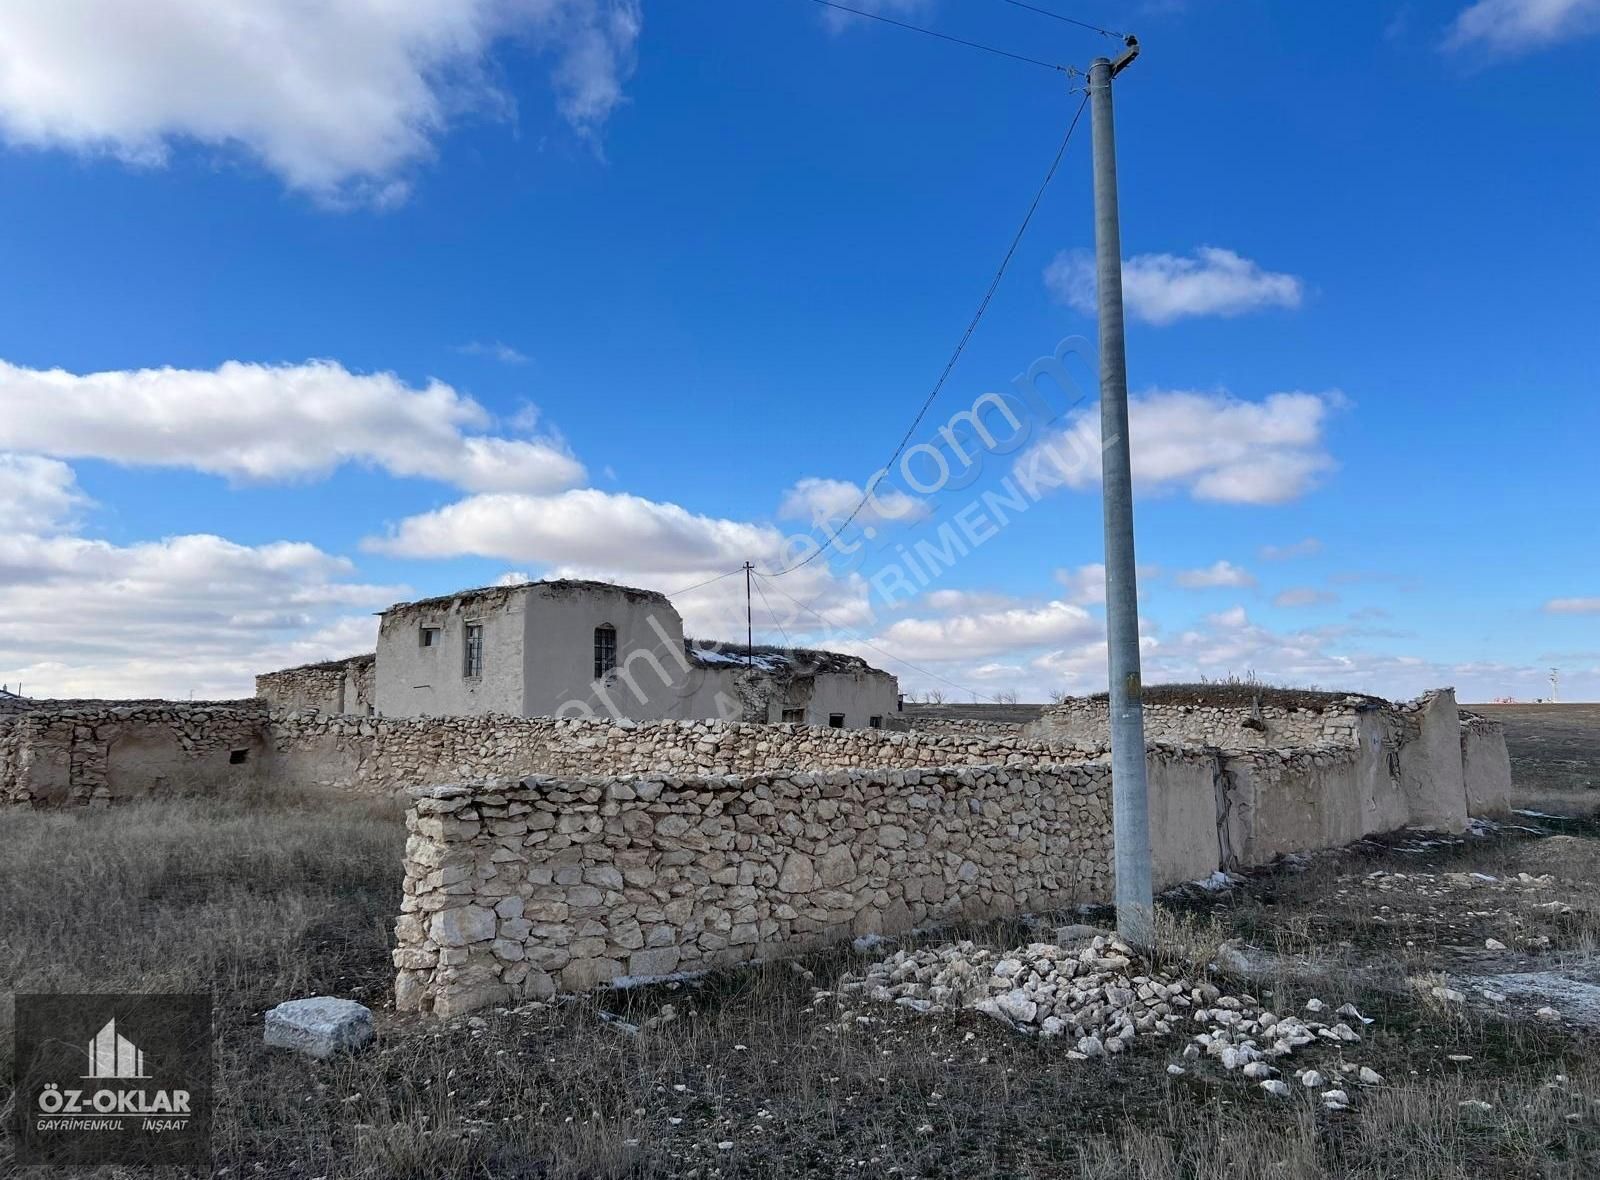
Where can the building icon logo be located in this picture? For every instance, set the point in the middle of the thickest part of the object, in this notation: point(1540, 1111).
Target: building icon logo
point(112, 1055)
point(111, 1078)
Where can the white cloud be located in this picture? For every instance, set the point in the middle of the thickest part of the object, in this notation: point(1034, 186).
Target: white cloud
point(984, 634)
point(1220, 573)
point(1161, 288)
point(953, 601)
point(1309, 547)
point(1211, 445)
point(339, 98)
point(838, 20)
point(274, 422)
point(36, 494)
point(1084, 584)
point(1303, 596)
point(494, 350)
point(826, 502)
point(584, 527)
point(1514, 26)
point(1573, 606)
point(166, 618)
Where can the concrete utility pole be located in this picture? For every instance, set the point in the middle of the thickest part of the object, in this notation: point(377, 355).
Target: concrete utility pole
point(1130, 804)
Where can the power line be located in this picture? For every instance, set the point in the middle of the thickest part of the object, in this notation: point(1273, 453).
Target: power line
point(900, 24)
point(961, 345)
point(864, 643)
point(707, 582)
point(777, 622)
point(1082, 24)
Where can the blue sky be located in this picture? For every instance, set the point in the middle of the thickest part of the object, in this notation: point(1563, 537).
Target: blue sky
point(307, 314)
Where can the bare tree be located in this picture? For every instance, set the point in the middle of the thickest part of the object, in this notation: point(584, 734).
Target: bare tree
point(1007, 697)
point(934, 696)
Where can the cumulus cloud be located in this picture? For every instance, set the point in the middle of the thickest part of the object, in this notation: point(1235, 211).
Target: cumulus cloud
point(953, 601)
point(958, 637)
point(584, 527)
point(1161, 288)
point(254, 422)
point(1303, 596)
point(1573, 606)
point(826, 502)
point(1309, 547)
point(166, 618)
point(1211, 445)
point(1516, 26)
point(1219, 573)
point(1085, 583)
point(340, 98)
point(37, 494)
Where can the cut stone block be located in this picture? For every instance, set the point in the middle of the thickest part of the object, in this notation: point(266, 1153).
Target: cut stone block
point(320, 1026)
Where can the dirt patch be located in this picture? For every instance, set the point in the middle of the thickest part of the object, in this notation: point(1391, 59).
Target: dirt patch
point(1568, 858)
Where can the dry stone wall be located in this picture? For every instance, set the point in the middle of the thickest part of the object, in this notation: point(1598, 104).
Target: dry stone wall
point(393, 754)
point(337, 686)
point(74, 753)
point(1271, 726)
point(559, 884)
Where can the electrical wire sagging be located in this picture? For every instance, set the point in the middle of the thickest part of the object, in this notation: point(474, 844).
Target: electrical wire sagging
point(961, 347)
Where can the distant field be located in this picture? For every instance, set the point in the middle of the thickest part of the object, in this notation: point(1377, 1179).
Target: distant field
point(1553, 747)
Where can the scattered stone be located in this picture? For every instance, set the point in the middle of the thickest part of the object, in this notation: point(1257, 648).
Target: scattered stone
point(1176, 1071)
point(320, 1026)
point(1370, 1076)
point(1311, 1078)
point(1276, 1088)
point(1476, 1104)
point(1493, 944)
point(1315, 1005)
point(1450, 995)
point(1548, 1014)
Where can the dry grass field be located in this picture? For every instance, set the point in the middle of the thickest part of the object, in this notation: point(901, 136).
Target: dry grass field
point(751, 1074)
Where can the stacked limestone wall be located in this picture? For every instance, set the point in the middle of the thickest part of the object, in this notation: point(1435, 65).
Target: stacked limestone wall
point(337, 686)
point(524, 890)
point(56, 754)
point(922, 723)
point(1232, 727)
point(380, 754)
point(559, 884)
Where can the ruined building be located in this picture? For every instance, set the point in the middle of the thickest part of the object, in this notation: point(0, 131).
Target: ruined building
point(569, 648)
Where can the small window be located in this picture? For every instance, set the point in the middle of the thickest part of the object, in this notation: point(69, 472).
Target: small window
point(238, 757)
point(605, 650)
point(428, 636)
point(472, 663)
point(835, 720)
point(794, 716)
point(874, 722)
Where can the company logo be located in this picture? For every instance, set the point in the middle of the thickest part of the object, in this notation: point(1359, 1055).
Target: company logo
point(112, 1055)
point(113, 1079)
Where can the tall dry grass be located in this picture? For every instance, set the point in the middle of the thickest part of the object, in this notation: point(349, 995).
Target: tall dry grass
point(262, 899)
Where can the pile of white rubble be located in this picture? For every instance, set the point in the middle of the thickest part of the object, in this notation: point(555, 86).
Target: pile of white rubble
point(1103, 1000)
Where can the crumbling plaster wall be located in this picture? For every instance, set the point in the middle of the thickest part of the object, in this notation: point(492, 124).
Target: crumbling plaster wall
point(98, 753)
point(1485, 766)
